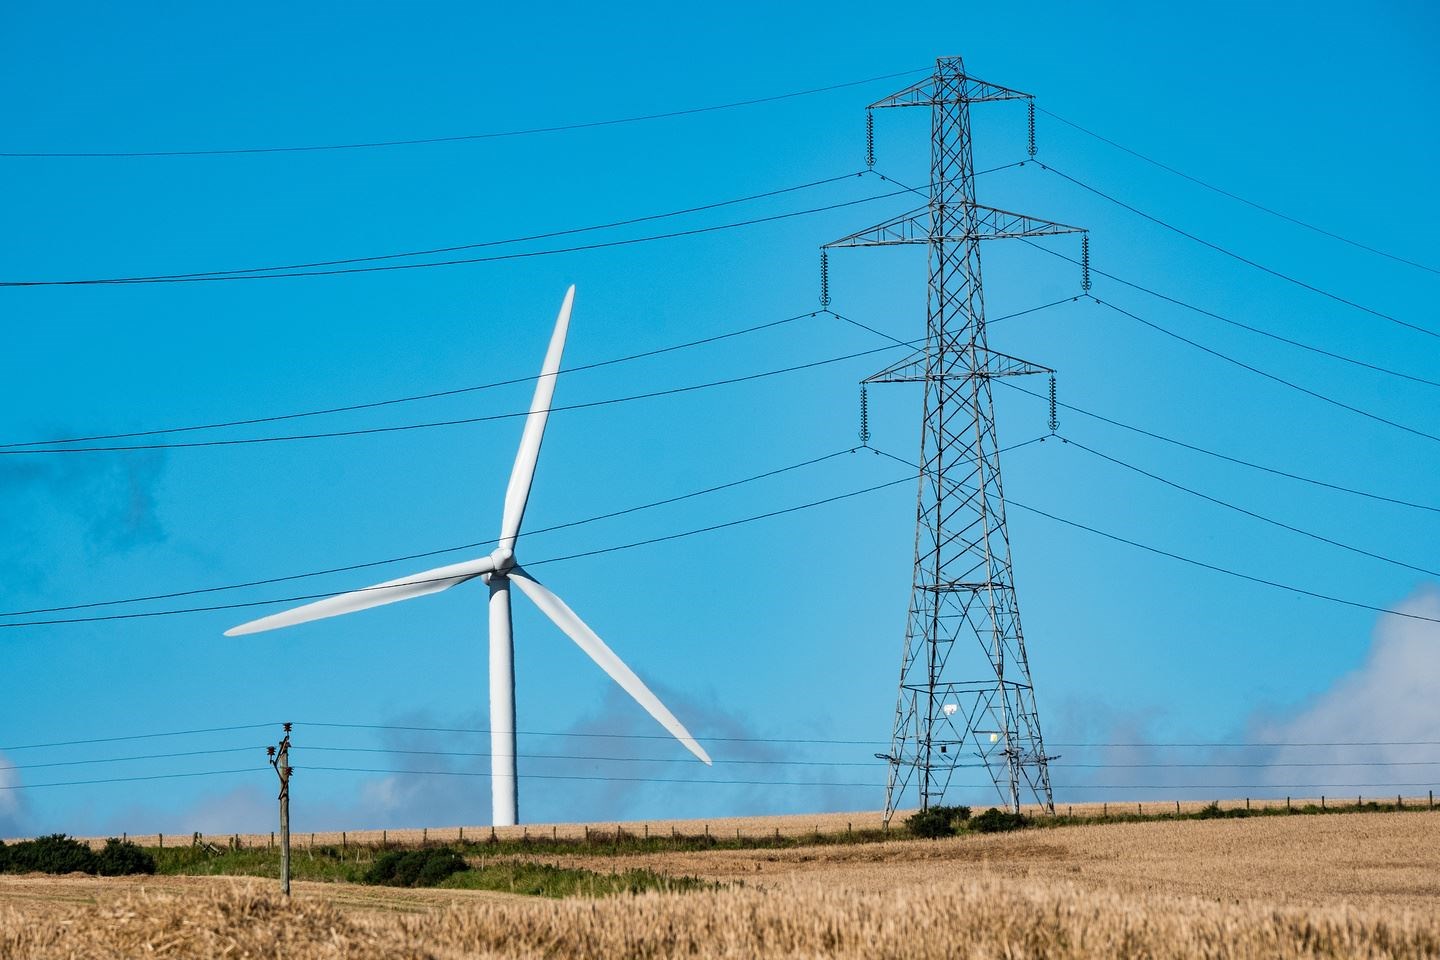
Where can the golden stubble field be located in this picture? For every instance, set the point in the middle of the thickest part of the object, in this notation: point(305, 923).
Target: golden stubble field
point(1358, 885)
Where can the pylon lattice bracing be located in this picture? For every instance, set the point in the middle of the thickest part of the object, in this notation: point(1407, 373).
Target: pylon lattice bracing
point(965, 694)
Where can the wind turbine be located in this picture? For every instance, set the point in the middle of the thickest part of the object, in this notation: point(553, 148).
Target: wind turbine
point(498, 570)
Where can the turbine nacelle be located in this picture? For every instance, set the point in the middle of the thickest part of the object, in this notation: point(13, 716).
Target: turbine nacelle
point(504, 560)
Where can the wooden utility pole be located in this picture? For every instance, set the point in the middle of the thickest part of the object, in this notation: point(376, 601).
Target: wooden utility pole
point(280, 760)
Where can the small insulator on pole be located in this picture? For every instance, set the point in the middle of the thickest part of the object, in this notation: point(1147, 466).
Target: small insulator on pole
point(870, 138)
point(1054, 415)
point(1085, 262)
point(864, 417)
point(824, 279)
point(1031, 105)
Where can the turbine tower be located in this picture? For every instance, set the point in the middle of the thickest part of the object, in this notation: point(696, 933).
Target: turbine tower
point(965, 689)
point(499, 570)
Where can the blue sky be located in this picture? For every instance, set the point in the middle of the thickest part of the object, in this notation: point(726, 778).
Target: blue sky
point(786, 629)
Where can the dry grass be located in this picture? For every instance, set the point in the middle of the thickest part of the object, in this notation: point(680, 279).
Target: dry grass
point(984, 919)
point(1375, 859)
point(1362, 885)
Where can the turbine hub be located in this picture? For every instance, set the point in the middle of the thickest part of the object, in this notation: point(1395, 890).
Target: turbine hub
point(504, 559)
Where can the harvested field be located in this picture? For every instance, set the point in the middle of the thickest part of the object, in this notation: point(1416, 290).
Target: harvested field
point(1360, 885)
point(1380, 859)
point(950, 920)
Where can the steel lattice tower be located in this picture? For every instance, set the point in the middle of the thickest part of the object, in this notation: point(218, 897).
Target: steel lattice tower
point(965, 695)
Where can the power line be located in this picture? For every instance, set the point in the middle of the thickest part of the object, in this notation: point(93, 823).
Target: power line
point(1268, 376)
point(459, 261)
point(1251, 766)
point(550, 235)
point(494, 135)
point(1193, 562)
point(350, 408)
point(711, 782)
point(1235, 196)
point(870, 763)
point(1249, 513)
point(400, 428)
point(575, 556)
point(573, 734)
point(134, 736)
point(150, 756)
point(156, 776)
point(574, 757)
point(1270, 334)
point(595, 778)
point(1242, 786)
point(412, 728)
point(910, 343)
point(431, 553)
point(1235, 256)
point(1226, 457)
point(1260, 743)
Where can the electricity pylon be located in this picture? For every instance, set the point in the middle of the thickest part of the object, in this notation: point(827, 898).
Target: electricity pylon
point(965, 696)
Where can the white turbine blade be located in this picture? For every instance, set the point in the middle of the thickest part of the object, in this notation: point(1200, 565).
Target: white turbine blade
point(565, 618)
point(523, 473)
point(416, 585)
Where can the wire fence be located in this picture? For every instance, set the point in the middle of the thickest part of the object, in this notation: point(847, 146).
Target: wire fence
point(784, 828)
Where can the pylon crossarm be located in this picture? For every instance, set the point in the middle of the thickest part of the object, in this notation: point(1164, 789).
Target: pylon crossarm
point(913, 226)
point(992, 223)
point(917, 367)
point(930, 91)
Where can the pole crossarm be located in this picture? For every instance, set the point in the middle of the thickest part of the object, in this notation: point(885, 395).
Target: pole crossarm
point(985, 223)
point(956, 89)
point(920, 366)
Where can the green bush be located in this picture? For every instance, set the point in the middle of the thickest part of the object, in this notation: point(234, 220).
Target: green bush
point(937, 821)
point(439, 866)
point(998, 821)
point(56, 853)
point(416, 868)
point(4, 856)
point(121, 858)
point(1212, 811)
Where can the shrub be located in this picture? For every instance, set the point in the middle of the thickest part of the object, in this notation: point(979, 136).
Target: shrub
point(998, 821)
point(417, 868)
point(1212, 811)
point(122, 858)
point(56, 853)
point(937, 821)
point(440, 865)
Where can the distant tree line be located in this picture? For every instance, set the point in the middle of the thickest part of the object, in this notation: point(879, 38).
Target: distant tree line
point(58, 853)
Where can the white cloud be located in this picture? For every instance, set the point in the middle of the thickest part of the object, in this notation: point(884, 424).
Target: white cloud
point(1390, 700)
